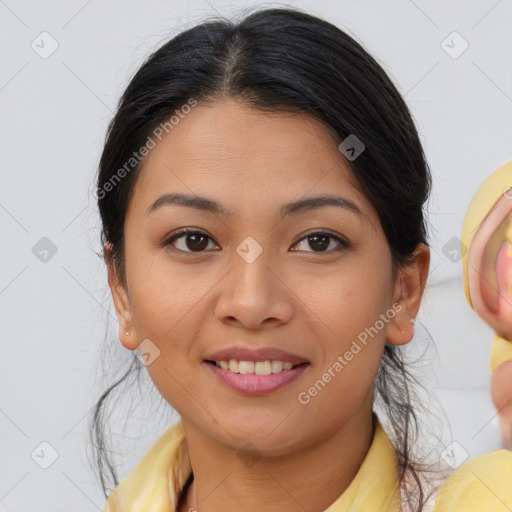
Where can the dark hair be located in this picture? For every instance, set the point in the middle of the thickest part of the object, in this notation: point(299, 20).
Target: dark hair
point(281, 59)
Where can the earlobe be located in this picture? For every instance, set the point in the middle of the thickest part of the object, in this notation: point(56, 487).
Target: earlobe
point(127, 338)
point(127, 331)
point(401, 331)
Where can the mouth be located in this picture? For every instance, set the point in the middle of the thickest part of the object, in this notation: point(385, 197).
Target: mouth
point(256, 377)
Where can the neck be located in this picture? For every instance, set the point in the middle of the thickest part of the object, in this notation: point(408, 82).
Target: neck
point(307, 479)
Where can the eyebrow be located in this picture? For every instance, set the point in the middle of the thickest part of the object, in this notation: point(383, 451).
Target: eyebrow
point(294, 207)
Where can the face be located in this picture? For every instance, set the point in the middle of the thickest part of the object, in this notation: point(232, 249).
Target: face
point(247, 276)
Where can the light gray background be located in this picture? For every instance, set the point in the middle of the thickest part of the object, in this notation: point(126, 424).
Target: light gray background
point(54, 114)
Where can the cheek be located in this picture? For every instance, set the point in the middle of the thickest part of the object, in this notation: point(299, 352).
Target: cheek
point(350, 311)
point(162, 294)
point(168, 311)
point(349, 300)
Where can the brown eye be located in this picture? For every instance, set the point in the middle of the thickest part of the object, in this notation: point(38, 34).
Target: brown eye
point(320, 241)
point(189, 241)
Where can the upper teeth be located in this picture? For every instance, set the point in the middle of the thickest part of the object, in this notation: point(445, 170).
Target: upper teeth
point(256, 367)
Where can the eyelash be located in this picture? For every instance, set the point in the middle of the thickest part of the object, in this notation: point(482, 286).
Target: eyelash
point(186, 231)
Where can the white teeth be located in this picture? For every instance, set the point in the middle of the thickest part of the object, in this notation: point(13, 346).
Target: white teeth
point(263, 368)
point(246, 367)
point(254, 367)
point(277, 366)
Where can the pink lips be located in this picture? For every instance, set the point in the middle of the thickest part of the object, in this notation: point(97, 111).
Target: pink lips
point(253, 384)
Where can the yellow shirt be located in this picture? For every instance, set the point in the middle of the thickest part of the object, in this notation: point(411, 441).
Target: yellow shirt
point(483, 484)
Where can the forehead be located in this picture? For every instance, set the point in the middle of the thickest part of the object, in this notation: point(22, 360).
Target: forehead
point(246, 157)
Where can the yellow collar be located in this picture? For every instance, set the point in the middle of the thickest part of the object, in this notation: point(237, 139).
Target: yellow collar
point(156, 482)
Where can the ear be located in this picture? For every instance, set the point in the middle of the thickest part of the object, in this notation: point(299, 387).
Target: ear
point(407, 293)
point(121, 303)
point(490, 269)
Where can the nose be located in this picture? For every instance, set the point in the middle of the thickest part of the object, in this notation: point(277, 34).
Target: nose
point(255, 294)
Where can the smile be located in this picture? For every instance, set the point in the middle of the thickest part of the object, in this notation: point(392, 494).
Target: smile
point(253, 378)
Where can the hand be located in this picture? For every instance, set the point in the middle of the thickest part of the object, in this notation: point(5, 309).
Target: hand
point(501, 392)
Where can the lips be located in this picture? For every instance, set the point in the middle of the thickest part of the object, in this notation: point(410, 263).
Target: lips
point(261, 354)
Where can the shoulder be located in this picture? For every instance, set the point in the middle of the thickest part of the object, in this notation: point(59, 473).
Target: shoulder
point(155, 483)
point(483, 483)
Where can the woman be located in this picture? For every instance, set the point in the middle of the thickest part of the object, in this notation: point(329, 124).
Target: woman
point(261, 191)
